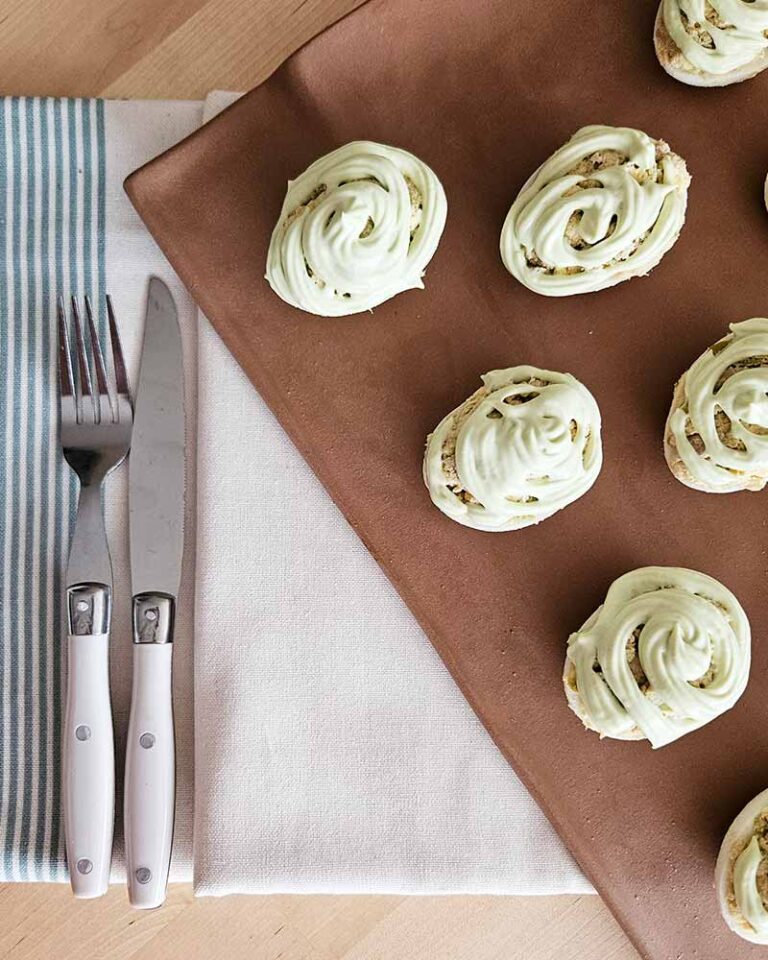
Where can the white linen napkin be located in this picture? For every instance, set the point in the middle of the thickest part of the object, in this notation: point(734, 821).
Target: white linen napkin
point(333, 751)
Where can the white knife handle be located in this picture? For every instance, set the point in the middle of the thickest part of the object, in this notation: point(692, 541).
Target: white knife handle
point(149, 776)
point(88, 748)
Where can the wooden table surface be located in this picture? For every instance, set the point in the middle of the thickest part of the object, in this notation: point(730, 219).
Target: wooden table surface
point(183, 49)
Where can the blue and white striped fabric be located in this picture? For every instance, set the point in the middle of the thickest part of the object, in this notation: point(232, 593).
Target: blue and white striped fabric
point(62, 162)
point(52, 209)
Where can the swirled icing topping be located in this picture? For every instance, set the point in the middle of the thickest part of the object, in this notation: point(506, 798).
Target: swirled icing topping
point(522, 447)
point(745, 886)
point(668, 651)
point(719, 418)
point(357, 227)
point(741, 872)
point(604, 207)
point(717, 36)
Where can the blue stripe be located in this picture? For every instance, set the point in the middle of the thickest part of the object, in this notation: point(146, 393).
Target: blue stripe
point(30, 327)
point(85, 113)
point(74, 253)
point(17, 605)
point(101, 146)
point(61, 484)
point(47, 635)
point(4, 420)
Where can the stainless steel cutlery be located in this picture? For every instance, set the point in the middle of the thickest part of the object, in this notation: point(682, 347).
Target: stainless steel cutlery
point(95, 436)
point(98, 426)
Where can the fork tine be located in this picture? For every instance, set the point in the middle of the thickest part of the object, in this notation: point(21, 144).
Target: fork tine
point(66, 383)
point(121, 377)
point(101, 371)
point(82, 359)
point(98, 359)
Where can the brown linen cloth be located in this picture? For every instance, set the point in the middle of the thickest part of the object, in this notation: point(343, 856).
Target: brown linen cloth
point(484, 91)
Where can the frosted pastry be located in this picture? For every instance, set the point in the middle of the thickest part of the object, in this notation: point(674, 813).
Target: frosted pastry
point(357, 227)
point(668, 651)
point(711, 43)
point(716, 437)
point(522, 447)
point(741, 873)
point(605, 207)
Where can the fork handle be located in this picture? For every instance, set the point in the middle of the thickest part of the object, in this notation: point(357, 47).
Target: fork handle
point(150, 776)
point(88, 748)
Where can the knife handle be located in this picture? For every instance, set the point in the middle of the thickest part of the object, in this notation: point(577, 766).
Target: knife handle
point(150, 776)
point(88, 747)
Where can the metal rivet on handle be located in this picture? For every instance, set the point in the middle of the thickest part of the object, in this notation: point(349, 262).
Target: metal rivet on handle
point(84, 866)
point(143, 874)
point(83, 732)
point(147, 740)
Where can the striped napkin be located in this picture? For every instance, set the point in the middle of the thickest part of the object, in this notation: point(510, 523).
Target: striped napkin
point(66, 226)
point(332, 750)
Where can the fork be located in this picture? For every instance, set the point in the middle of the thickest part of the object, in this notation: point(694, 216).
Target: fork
point(95, 437)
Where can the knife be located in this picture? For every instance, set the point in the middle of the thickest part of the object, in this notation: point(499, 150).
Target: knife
point(156, 530)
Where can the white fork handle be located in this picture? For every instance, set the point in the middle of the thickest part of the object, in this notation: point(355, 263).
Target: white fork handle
point(89, 766)
point(150, 776)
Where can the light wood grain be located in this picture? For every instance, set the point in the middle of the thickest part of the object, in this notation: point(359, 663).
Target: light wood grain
point(45, 923)
point(183, 49)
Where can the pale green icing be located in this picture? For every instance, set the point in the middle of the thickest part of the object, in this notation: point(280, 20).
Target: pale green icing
point(745, 887)
point(736, 44)
point(358, 241)
point(743, 397)
point(629, 214)
point(689, 622)
point(521, 461)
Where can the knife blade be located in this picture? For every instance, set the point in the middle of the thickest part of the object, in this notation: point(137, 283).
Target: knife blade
point(156, 531)
point(156, 470)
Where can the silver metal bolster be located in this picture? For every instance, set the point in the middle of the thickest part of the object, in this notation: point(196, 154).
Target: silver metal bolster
point(153, 618)
point(89, 607)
